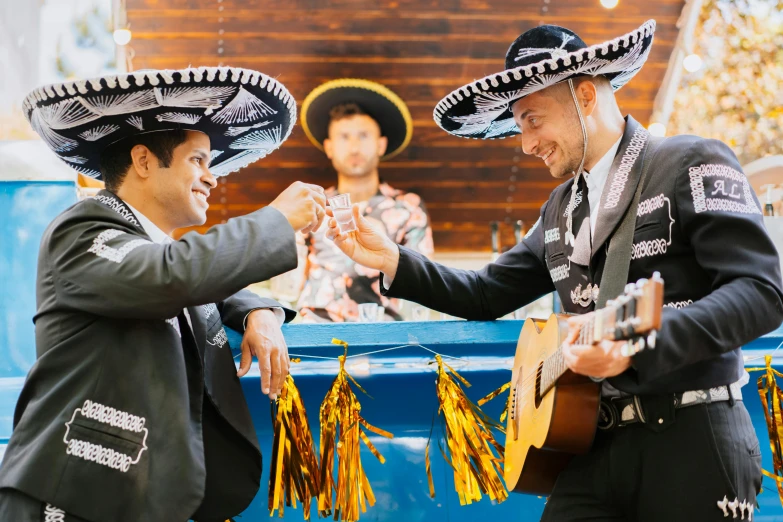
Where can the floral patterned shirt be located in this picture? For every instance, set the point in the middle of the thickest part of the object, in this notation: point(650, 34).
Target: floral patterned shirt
point(335, 285)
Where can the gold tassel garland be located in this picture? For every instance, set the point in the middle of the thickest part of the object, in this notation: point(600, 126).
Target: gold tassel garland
point(352, 488)
point(772, 401)
point(468, 432)
point(294, 472)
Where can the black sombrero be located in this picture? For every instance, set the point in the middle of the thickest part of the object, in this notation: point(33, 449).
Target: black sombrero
point(539, 58)
point(382, 104)
point(245, 113)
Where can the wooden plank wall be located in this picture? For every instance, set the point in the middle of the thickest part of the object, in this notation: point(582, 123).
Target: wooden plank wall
point(422, 49)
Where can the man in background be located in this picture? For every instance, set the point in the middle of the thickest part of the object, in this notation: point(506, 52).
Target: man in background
point(358, 124)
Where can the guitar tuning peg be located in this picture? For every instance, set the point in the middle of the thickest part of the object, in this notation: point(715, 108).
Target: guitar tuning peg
point(656, 276)
point(641, 282)
point(629, 288)
point(651, 338)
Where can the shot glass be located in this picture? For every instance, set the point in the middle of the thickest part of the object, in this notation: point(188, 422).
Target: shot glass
point(341, 208)
point(368, 313)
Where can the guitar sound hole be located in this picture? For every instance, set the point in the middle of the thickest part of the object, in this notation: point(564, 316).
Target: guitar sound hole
point(537, 394)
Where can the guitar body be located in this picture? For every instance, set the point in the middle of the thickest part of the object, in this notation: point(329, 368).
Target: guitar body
point(544, 431)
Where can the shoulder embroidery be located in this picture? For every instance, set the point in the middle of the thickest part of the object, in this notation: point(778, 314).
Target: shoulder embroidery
point(116, 255)
point(95, 452)
point(729, 192)
point(119, 208)
point(627, 162)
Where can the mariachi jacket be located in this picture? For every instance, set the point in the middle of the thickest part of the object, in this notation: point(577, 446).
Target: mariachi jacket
point(698, 223)
point(128, 409)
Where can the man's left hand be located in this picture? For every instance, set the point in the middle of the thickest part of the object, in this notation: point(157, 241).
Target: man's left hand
point(601, 360)
point(264, 339)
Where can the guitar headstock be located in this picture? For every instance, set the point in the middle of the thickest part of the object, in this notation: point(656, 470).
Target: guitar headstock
point(634, 316)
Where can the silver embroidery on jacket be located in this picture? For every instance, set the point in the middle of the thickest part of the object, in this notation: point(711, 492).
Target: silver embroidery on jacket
point(116, 255)
point(96, 453)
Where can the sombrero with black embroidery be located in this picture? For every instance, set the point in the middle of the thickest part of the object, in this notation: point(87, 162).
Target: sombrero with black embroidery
point(245, 113)
point(378, 101)
point(539, 58)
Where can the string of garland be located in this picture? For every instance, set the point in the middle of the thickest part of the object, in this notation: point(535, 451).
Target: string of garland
point(341, 433)
point(296, 476)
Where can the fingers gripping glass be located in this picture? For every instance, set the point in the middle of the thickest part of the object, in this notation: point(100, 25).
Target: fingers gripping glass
point(341, 208)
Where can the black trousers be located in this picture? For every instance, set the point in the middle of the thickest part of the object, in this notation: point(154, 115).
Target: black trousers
point(708, 454)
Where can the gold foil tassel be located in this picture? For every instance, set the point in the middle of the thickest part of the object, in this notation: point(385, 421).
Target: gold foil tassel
point(771, 399)
point(341, 432)
point(294, 471)
point(494, 394)
point(473, 453)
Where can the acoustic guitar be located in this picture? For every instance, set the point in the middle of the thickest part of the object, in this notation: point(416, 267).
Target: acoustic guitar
point(553, 412)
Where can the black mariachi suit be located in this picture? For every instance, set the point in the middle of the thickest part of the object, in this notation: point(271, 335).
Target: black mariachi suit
point(698, 224)
point(129, 414)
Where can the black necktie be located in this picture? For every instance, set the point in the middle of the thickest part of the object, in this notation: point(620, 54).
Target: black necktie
point(581, 225)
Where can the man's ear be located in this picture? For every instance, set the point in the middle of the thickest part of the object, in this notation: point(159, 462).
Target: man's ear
point(141, 157)
point(383, 143)
point(587, 94)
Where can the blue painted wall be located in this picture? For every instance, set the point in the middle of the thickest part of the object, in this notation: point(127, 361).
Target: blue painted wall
point(26, 209)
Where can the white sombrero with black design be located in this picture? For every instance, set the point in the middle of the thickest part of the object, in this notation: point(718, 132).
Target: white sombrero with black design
point(539, 58)
point(245, 113)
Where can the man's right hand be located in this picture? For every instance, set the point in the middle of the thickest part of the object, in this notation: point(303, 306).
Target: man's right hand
point(303, 205)
point(369, 245)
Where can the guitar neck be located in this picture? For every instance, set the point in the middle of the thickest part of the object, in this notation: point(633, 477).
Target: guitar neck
point(633, 314)
point(554, 366)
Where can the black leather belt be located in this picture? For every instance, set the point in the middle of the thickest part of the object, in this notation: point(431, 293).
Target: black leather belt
point(658, 410)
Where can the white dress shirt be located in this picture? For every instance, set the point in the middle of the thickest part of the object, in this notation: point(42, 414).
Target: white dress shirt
point(596, 180)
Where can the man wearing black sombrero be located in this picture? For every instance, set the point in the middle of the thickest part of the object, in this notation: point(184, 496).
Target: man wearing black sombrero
point(134, 410)
point(675, 440)
point(358, 124)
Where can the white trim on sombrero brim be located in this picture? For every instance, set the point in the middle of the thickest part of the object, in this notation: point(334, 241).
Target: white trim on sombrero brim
point(69, 109)
point(491, 104)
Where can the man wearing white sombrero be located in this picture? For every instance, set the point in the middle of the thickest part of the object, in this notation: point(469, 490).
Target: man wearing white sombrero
point(675, 441)
point(133, 410)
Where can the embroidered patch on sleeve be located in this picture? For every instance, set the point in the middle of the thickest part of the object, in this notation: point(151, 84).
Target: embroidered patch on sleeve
point(721, 188)
point(96, 453)
point(116, 255)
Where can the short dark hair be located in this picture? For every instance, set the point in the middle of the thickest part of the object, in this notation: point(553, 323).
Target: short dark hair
point(116, 158)
point(345, 110)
